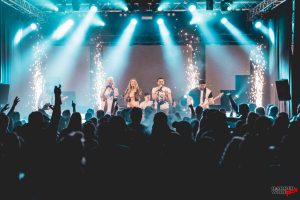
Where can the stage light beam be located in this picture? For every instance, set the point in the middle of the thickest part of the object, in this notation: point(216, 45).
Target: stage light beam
point(63, 29)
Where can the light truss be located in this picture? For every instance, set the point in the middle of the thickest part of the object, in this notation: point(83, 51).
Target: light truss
point(263, 7)
point(26, 8)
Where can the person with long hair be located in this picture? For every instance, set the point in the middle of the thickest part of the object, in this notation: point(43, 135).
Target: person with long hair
point(133, 94)
point(109, 96)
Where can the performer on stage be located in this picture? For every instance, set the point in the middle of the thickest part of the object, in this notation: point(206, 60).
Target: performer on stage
point(109, 95)
point(162, 96)
point(133, 94)
point(147, 101)
point(201, 95)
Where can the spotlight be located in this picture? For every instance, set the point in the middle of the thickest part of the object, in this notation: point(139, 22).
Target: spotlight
point(55, 9)
point(94, 8)
point(160, 21)
point(159, 8)
point(225, 4)
point(33, 26)
point(224, 20)
point(133, 21)
point(192, 8)
point(125, 8)
point(258, 24)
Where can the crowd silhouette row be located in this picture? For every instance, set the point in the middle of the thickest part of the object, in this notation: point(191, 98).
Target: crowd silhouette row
point(59, 157)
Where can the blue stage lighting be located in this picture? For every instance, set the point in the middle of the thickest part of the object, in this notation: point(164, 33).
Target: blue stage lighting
point(258, 24)
point(133, 21)
point(224, 20)
point(160, 21)
point(192, 8)
point(33, 26)
point(94, 8)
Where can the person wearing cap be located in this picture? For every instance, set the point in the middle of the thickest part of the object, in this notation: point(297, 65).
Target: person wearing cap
point(201, 95)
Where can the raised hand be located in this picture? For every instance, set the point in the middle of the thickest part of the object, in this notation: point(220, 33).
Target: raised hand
point(16, 101)
point(6, 107)
point(57, 90)
point(51, 107)
point(73, 104)
point(46, 106)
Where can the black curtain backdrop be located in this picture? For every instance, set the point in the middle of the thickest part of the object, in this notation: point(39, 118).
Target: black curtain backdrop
point(280, 55)
point(296, 65)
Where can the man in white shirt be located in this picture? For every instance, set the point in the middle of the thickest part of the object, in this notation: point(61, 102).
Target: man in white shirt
point(109, 94)
point(162, 96)
point(147, 101)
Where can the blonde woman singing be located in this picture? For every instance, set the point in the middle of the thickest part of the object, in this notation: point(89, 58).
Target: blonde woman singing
point(133, 94)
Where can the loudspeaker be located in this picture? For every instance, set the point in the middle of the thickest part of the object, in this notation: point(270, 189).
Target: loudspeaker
point(283, 90)
point(4, 90)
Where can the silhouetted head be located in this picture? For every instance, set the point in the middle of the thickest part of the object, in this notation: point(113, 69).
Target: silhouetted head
point(4, 121)
point(100, 114)
point(244, 109)
point(252, 107)
point(88, 130)
point(183, 128)
point(136, 115)
point(222, 110)
point(281, 122)
point(35, 119)
point(90, 110)
point(66, 114)
point(88, 116)
point(260, 111)
point(94, 121)
point(75, 122)
point(263, 125)
point(252, 118)
point(71, 148)
point(273, 111)
point(160, 118)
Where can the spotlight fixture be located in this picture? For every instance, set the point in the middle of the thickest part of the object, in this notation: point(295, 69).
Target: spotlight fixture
point(224, 20)
point(192, 8)
point(160, 21)
point(258, 24)
point(94, 8)
point(226, 5)
point(33, 26)
point(133, 21)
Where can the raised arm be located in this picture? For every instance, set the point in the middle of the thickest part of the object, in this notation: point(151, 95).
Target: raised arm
point(193, 114)
point(233, 104)
point(12, 109)
point(56, 110)
point(74, 106)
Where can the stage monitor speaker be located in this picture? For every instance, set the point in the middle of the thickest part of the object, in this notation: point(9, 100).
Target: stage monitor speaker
point(4, 90)
point(283, 90)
